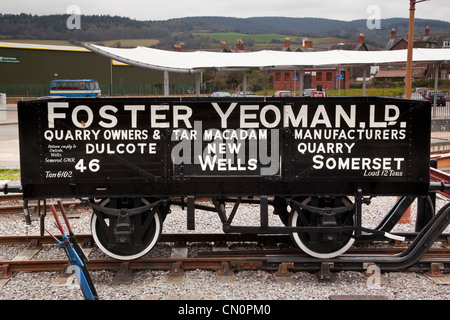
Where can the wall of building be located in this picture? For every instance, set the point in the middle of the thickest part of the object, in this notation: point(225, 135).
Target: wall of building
point(33, 69)
point(283, 80)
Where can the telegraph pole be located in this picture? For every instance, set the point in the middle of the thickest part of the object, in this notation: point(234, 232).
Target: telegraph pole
point(406, 218)
point(408, 78)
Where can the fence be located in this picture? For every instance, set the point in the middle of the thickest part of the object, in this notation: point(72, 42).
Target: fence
point(143, 89)
point(441, 112)
point(129, 89)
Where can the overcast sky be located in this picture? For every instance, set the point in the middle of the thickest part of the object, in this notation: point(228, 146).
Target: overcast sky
point(162, 10)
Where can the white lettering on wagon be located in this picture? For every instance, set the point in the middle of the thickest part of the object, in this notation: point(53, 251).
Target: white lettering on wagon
point(239, 138)
point(250, 116)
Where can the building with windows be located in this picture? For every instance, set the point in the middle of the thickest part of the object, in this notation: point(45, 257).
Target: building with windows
point(327, 78)
point(426, 40)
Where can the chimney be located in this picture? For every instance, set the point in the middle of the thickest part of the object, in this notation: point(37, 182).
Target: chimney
point(179, 47)
point(427, 31)
point(361, 38)
point(224, 45)
point(307, 43)
point(287, 42)
point(393, 33)
point(240, 45)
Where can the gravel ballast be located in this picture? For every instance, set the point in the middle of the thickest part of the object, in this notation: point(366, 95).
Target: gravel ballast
point(201, 284)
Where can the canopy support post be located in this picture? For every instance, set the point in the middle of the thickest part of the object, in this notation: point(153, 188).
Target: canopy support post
point(111, 77)
point(436, 83)
point(245, 83)
point(198, 79)
point(166, 83)
point(364, 80)
point(300, 78)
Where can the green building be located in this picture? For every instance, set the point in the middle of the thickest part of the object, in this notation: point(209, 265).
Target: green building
point(27, 69)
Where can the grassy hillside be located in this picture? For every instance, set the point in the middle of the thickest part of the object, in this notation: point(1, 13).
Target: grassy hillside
point(205, 32)
point(269, 39)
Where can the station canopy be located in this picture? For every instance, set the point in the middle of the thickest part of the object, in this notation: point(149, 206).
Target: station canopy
point(201, 61)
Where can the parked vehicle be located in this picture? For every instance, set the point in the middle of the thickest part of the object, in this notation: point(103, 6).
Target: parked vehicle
point(240, 94)
point(421, 91)
point(283, 94)
point(75, 88)
point(416, 96)
point(220, 94)
point(441, 100)
point(314, 93)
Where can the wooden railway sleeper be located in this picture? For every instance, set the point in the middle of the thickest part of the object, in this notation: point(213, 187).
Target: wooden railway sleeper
point(124, 275)
point(176, 273)
point(5, 272)
point(435, 270)
point(283, 269)
point(325, 274)
point(225, 269)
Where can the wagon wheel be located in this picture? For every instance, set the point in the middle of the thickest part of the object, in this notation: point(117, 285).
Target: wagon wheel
point(126, 238)
point(323, 212)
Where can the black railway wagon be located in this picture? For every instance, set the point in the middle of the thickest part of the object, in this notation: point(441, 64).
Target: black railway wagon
point(315, 160)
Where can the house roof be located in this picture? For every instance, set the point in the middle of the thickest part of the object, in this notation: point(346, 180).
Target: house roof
point(416, 72)
point(33, 46)
point(421, 41)
point(356, 46)
point(390, 73)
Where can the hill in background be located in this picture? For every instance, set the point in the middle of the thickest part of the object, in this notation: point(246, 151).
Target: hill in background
point(195, 31)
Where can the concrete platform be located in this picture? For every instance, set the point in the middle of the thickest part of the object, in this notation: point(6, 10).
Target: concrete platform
point(440, 142)
point(9, 137)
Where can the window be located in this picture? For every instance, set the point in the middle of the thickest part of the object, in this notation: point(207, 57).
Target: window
point(329, 76)
point(94, 85)
point(53, 86)
point(319, 76)
point(446, 44)
point(287, 76)
point(277, 76)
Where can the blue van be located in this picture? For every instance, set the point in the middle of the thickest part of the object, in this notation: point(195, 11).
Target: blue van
point(75, 88)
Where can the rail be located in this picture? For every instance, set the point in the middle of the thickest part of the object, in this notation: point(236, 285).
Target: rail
point(356, 259)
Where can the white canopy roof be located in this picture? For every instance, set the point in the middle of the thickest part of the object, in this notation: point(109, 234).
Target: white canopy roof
point(198, 61)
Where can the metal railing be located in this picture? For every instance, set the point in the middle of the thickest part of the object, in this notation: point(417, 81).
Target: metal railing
point(441, 112)
point(438, 112)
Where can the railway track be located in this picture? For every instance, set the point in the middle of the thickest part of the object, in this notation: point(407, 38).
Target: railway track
point(281, 259)
point(15, 204)
point(357, 258)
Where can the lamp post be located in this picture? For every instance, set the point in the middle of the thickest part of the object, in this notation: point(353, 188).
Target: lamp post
point(406, 218)
point(408, 78)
